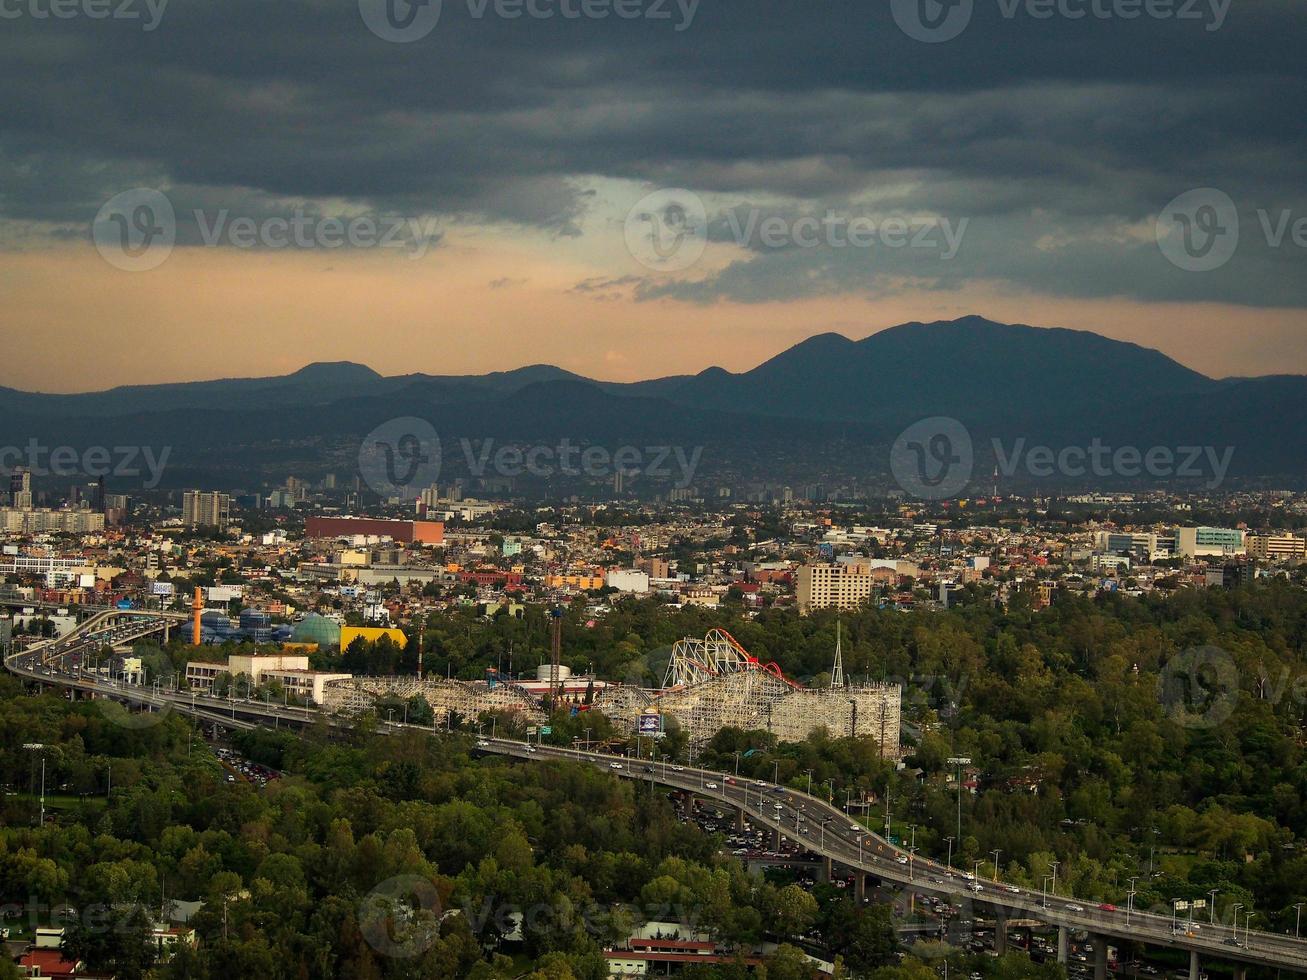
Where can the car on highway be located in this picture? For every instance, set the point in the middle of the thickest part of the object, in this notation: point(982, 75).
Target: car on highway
point(711, 785)
point(531, 748)
point(1073, 907)
point(778, 806)
point(902, 859)
point(1108, 907)
point(975, 886)
point(759, 782)
point(614, 765)
point(1012, 889)
point(482, 744)
point(678, 768)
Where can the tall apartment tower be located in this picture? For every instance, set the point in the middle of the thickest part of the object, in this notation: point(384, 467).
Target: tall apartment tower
point(20, 489)
point(202, 508)
point(842, 586)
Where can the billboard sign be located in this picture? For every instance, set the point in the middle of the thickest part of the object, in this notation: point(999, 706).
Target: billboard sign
point(651, 724)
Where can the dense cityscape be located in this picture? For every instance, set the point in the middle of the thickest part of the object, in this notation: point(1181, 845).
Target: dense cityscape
point(895, 674)
point(609, 489)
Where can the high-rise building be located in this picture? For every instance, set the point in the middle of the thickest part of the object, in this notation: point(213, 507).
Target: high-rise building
point(20, 489)
point(201, 508)
point(840, 586)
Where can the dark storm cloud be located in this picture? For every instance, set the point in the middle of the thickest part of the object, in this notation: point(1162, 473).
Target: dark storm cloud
point(1058, 139)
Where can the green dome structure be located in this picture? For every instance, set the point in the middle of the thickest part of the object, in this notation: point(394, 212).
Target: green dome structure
point(316, 629)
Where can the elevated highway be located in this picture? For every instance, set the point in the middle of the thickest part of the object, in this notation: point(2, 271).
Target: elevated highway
point(821, 827)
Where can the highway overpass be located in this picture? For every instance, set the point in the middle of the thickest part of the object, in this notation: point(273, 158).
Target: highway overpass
point(829, 831)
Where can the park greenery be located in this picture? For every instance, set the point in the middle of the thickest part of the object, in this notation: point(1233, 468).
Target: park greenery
point(1157, 740)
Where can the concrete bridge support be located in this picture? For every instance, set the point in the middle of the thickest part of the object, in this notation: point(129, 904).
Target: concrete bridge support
point(1063, 945)
point(1194, 971)
point(1000, 931)
point(824, 875)
point(1240, 971)
point(859, 886)
point(1100, 956)
point(739, 819)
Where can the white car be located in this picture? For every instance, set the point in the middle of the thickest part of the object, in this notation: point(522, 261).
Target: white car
point(902, 859)
point(777, 806)
point(678, 768)
point(759, 782)
point(975, 886)
point(614, 765)
point(711, 785)
point(482, 744)
point(1073, 907)
point(531, 748)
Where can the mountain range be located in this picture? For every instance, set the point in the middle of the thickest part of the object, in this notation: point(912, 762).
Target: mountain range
point(827, 404)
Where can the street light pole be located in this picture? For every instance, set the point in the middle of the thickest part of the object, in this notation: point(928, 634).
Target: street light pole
point(1297, 921)
point(950, 852)
point(996, 853)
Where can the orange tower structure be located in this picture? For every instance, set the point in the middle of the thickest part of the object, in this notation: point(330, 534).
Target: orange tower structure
point(197, 607)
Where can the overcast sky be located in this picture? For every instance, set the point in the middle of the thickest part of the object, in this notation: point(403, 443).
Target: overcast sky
point(813, 166)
